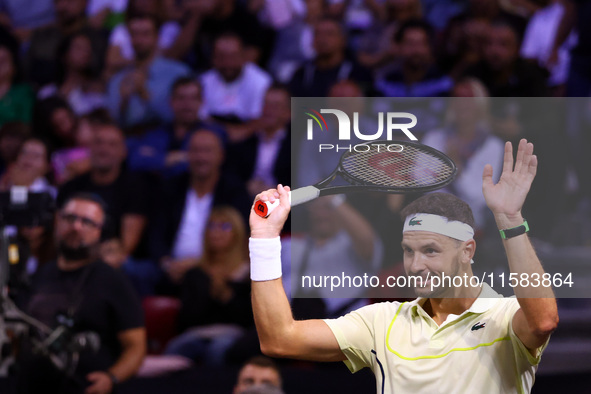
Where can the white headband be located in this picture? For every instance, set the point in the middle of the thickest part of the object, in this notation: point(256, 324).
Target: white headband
point(438, 224)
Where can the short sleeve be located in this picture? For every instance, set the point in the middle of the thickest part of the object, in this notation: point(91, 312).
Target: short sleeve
point(520, 349)
point(356, 336)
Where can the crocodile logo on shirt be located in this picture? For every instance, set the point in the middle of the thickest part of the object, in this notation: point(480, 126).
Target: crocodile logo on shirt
point(478, 326)
point(414, 222)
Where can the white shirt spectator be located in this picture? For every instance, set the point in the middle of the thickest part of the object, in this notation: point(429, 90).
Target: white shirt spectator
point(539, 40)
point(120, 37)
point(189, 238)
point(267, 152)
point(242, 97)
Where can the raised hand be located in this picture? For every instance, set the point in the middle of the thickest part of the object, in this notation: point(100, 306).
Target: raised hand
point(272, 225)
point(506, 198)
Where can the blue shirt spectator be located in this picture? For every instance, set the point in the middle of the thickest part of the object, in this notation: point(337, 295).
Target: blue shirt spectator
point(417, 75)
point(140, 94)
point(164, 149)
point(154, 150)
point(331, 64)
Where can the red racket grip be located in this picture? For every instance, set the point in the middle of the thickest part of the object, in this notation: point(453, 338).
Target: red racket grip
point(264, 209)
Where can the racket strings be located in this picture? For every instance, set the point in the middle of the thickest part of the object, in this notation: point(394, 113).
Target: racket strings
point(412, 167)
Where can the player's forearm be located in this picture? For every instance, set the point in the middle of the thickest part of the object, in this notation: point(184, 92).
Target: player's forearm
point(271, 309)
point(537, 302)
point(272, 316)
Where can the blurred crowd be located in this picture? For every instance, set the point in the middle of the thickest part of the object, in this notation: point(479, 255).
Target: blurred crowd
point(176, 113)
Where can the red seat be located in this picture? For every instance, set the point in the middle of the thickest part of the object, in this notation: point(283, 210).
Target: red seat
point(161, 321)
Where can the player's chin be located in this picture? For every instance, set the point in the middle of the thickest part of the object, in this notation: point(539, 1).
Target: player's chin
point(426, 291)
point(423, 292)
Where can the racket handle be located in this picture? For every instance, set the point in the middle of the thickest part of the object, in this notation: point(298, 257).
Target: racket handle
point(264, 209)
point(297, 197)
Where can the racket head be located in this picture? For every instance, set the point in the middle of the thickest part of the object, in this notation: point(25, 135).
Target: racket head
point(416, 168)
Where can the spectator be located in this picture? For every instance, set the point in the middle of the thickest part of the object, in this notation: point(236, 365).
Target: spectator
point(40, 245)
point(36, 247)
point(258, 371)
point(576, 15)
point(215, 293)
point(491, 10)
point(293, 43)
point(538, 44)
point(468, 140)
point(81, 288)
point(264, 159)
point(22, 17)
point(461, 44)
point(313, 167)
point(42, 63)
point(16, 99)
point(140, 94)
point(188, 200)
point(376, 46)
point(339, 238)
point(125, 193)
point(55, 119)
point(219, 17)
point(164, 149)
point(12, 136)
point(121, 52)
point(503, 71)
point(330, 65)
point(79, 71)
point(234, 89)
point(418, 74)
point(30, 168)
point(73, 161)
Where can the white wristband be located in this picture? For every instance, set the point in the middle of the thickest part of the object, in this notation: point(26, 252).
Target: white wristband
point(265, 258)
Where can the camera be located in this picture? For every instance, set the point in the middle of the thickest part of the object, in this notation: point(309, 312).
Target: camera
point(21, 208)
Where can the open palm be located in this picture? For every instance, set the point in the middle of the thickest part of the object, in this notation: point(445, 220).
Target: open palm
point(508, 195)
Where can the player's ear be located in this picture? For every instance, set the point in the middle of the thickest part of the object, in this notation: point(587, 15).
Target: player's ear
point(468, 251)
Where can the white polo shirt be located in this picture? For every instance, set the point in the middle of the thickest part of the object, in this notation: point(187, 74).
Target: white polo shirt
point(475, 352)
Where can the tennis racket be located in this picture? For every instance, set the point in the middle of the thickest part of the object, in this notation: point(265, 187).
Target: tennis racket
point(378, 166)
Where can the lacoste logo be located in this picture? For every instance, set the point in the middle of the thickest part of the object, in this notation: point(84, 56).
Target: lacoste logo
point(414, 222)
point(478, 326)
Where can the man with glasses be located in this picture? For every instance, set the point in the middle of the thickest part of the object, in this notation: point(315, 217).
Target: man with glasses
point(80, 289)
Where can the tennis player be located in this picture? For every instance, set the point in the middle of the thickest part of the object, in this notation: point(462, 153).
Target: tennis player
point(461, 339)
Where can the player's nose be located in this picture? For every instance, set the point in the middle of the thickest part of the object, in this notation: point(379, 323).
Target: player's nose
point(417, 263)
